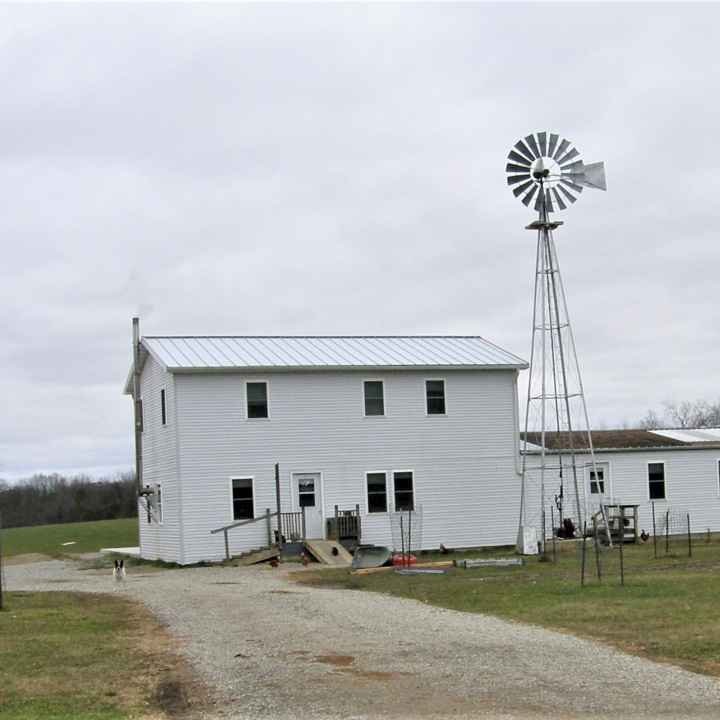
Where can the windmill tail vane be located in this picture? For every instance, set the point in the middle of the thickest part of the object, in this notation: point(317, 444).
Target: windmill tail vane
point(546, 169)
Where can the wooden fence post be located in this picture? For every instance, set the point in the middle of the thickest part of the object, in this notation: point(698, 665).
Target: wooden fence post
point(269, 527)
point(277, 501)
point(667, 532)
point(304, 534)
point(689, 538)
point(227, 545)
point(359, 527)
point(337, 527)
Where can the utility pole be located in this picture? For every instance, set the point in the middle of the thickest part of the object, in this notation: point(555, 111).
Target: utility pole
point(137, 404)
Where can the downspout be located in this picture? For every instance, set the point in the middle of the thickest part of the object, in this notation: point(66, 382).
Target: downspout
point(516, 424)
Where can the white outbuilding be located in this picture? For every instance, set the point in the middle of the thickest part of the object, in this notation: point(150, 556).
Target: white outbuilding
point(673, 471)
point(362, 426)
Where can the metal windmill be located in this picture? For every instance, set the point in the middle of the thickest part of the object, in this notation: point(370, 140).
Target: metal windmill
point(547, 170)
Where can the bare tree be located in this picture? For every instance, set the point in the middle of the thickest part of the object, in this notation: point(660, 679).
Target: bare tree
point(698, 414)
point(651, 421)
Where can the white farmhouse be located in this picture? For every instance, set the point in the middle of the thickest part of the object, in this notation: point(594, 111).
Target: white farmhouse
point(674, 470)
point(374, 423)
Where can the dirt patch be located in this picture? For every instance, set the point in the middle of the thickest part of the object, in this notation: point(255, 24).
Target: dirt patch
point(172, 697)
point(166, 679)
point(334, 660)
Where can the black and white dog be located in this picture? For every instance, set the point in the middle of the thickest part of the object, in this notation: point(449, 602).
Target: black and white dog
point(119, 570)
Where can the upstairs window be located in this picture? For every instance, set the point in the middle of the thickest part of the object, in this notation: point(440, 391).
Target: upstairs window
point(242, 499)
point(376, 492)
point(257, 399)
point(374, 397)
point(404, 494)
point(597, 482)
point(163, 411)
point(435, 397)
point(656, 481)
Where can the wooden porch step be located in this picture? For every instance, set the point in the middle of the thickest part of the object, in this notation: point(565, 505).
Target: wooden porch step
point(258, 556)
point(329, 552)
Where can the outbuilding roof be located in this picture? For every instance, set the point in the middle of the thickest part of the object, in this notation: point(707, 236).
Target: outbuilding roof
point(618, 440)
point(198, 353)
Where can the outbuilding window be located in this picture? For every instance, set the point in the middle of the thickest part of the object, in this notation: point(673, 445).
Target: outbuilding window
point(374, 397)
point(242, 499)
point(404, 492)
point(376, 492)
point(435, 397)
point(257, 399)
point(163, 411)
point(656, 481)
point(597, 482)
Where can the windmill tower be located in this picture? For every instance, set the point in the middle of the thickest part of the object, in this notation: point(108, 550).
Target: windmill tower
point(546, 170)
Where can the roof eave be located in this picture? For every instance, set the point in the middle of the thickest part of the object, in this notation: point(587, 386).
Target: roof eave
point(326, 368)
point(649, 448)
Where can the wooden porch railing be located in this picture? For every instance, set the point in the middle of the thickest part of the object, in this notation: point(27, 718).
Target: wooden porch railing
point(290, 528)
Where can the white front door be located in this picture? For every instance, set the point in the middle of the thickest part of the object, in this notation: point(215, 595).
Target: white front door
point(308, 494)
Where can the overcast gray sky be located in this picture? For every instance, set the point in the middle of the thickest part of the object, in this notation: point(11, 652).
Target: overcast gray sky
point(320, 169)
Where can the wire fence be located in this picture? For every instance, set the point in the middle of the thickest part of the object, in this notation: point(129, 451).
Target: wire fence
point(602, 555)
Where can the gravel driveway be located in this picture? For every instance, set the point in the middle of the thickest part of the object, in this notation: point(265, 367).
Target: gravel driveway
point(273, 649)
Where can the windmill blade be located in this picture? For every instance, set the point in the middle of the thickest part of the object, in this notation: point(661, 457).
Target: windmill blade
point(511, 167)
point(570, 155)
point(567, 194)
point(542, 141)
point(514, 179)
point(595, 176)
point(520, 189)
point(553, 143)
point(530, 140)
point(518, 158)
point(577, 188)
point(576, 167)
point(562, 147)
point(528, 198)
point(522, 148)
point(558, 199)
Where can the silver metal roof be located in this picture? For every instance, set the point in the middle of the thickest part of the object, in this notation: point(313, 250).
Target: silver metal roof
point(691, 435)
point(228, 352)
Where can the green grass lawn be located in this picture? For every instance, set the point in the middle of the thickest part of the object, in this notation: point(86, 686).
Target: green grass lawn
point(87, 537)
point(82, 657)
point(667, 610)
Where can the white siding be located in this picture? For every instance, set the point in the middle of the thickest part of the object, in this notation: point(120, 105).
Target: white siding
point(160, 542)
point(464, 462)
point(691, 484)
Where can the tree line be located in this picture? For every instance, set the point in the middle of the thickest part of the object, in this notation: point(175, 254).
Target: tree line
point(686, 414)
point(45, 499)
